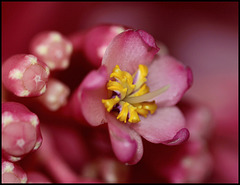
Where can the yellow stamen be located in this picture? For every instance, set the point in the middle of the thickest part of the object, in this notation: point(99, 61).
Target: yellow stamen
point(143, 90)
point(122, 116)
point(131, 96)
point(110, 103)
point(142, 74)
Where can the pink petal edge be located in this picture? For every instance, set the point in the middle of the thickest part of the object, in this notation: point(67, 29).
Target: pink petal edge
point(181, 136)
point(129, 49)
point(126, 143)
point(162, 126)
point(92, 91)
point(167, 70)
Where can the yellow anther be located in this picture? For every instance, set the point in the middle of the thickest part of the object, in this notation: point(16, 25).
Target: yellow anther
point(146, 106)
point(132, 97)
point(143, 90)
point(150, 106)
point(110, 103)
point(140, 110)
point(117, 87)
point(124, 78)
point(141, 76)
point(122, 116)
point(133, 115)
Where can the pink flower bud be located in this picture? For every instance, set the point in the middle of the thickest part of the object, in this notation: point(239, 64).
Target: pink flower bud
point(53, 49)
point(97, 39)
point(20, 131)
point(94, 41)
point(56, 95)
point(12, 173)
point(24, 75)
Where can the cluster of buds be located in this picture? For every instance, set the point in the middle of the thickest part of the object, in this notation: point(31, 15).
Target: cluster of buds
point(99, 96)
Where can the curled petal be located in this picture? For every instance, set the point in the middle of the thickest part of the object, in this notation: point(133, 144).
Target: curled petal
point(126, 143)
point(128, 49)
point(162, 126)
point(92, 91)
point(181, 136)
point(168, 71)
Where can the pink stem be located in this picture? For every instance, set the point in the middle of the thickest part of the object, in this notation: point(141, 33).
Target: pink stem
point(58, 168)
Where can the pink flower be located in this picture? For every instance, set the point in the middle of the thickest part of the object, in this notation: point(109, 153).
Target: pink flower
point(167, 80)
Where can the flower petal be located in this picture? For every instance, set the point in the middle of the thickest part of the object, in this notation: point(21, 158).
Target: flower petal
point(126, 143)
point(168, 71)
point(92, 91)
point(162, 126)
point(128, 49)
point(181, 136)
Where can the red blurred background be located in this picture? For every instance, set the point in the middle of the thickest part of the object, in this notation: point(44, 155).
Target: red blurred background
point(203, 35)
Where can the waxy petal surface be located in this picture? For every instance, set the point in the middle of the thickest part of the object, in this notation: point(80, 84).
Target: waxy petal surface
point(162, 126)
point(93, 90)
point(126, 143)
point(167, 70)
point(129, 49)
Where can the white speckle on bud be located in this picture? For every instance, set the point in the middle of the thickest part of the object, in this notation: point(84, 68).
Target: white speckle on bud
point(24, 93)
point(6, 118)
point(37, 78)
point(52, 98)
point(37, 145)
point(50, 64)
point(55, 37)
point(69, 48)
point(31, 59)
point(43, 90)
point(7, 167)
point(15, 74)
point(42, 50)
point(65, 63)
point(20, 142)
point(15, 159)
point(47, 70)
point(34, 121)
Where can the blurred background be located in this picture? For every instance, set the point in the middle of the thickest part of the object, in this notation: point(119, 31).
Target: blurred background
point(202, 35)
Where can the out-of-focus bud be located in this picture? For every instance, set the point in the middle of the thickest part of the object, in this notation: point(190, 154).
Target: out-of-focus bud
point(93, 42)
point(12, 173)
point(56, 95)
point(20, 131)
point(52, 48)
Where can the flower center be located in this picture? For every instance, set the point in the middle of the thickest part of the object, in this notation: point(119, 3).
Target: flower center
point(129, 94)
